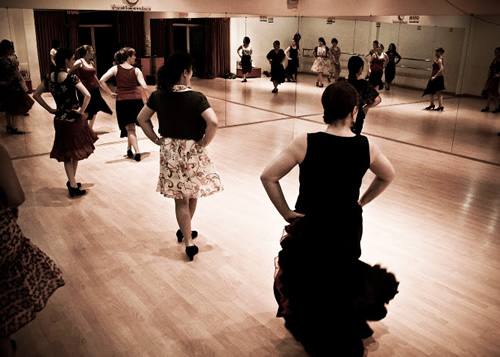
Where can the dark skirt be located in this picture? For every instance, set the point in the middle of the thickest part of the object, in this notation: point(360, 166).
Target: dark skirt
point(126, 113)
point(326, 322)
point(17, 102)
point(277, 73)
point(491, 87)
point(97, 103)
point(246, 64)
point(376, 79)
point(390, 72)
point(434, 86)
point(292, 66)
point(74, 140)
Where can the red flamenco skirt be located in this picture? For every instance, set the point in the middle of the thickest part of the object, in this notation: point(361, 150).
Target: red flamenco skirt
point(74, 139)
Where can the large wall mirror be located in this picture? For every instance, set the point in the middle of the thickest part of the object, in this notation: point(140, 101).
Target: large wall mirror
point(214, 39)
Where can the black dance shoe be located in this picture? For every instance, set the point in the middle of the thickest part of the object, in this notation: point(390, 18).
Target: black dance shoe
point(275, 90)
point(75, 192)
point(485, 109)
point(137, 157)
point(130, 154)
point(317, 84)
point(244, 81)
point(439, 109)
point(180, 237)
point(321, 85)
point(496, 110)
point(191, 251)
point(79, 184)
point(430, 107)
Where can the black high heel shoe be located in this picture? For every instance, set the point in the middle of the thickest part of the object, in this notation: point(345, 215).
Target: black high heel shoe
point(485, 109)
point(180, 236)
point(75, 191)
point(191, 251)
point(430, 107)
point(79, 184)
point(137, 157)
point(130, 154)
point(439, 109)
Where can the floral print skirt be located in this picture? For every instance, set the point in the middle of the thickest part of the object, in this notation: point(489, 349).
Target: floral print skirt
point(186, 170)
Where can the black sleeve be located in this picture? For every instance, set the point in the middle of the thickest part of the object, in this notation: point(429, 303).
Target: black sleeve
point(399, 58)
point(152, 102)
point(202, 103)
point(269, 55)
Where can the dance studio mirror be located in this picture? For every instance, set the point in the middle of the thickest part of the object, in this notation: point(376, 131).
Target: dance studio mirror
point(461, 128)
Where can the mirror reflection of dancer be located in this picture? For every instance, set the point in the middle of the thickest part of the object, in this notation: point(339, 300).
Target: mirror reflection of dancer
point(187, 125)
point(320, 56)
point(74, 139)
point(368, 58)
point(85, 70)
point(390, 68)
point(29, 277)
point(436, 83)
point(276, 57)
point(292, 53)
point(377, 65)
point(15, 101)
point(368, 96)
point(334, 60)
point(490, 90)
point(321, 244)
point(246, 57)
point(129, 98)
point(55, 46)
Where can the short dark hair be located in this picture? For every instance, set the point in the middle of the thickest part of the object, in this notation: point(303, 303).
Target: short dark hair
point(335, 40)
point(338, 101)
point(497, 49)
point(440, 50)
point(5, 45)
point(322, 40)
point(375, 42)
point(122, 55)
point(246, 40)
point(170, 73)
point(276, 43)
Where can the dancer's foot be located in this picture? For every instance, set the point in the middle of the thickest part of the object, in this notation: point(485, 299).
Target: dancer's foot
point(430, 107)
point(75, 191)
point(275, 90)
point(137, 157)
point(243, 81)
point(191, 251)
point(439, 109)
point(485, 109)
point(180, 236)
point(130, 154)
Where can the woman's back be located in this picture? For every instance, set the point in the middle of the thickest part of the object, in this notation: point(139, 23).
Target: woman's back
point(331, 173)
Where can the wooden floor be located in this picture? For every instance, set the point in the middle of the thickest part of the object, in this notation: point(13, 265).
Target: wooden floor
point(130, 290)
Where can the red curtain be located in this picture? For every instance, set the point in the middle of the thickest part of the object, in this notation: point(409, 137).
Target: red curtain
point(158, 37)
point(73, 22)
point(217, 47)
point(131, 26)
point(49, 25)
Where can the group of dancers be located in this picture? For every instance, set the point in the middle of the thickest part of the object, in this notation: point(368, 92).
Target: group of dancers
point(187, 124)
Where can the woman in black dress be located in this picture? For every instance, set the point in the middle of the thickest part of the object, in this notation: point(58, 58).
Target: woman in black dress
point(436, 83)
point(490, 90)
point(276, 57)
point(390, 68)
point(368, 95)
point(321, 246)
point(246, 57)
point(292, 53)
point(74, 140)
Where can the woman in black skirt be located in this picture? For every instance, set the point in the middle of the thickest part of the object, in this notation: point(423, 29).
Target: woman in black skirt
point(85, 70)
point(292, 53)
point(436, 83)
point(246, 57)
point(129, 98)
point(390, 68)
point(490, 90)
point(276, 57)
point(324, 292)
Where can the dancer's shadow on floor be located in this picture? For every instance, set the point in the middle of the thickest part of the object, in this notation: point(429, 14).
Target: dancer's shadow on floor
point(144, 155)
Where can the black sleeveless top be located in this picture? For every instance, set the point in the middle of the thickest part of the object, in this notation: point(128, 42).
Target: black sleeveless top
point(331, 173)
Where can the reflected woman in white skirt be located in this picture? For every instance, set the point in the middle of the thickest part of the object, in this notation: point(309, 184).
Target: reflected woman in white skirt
point(187, 124)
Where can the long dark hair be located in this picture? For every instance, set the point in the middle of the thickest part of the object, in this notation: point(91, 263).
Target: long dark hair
point(5, 45)
point(393, 48)
point(170, 73)
point(322, 40)
point(62, 55)
point(354, 65)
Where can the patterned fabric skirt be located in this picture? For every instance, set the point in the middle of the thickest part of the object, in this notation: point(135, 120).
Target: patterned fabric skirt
point(126, 113)
point(319, 65)
point(28, 277)
point(246, 64)
point(186, 170)
point(74, 140)
point(17, 102)
point(434, 86)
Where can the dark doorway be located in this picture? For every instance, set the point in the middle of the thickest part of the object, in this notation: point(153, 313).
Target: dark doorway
point(99, 37)
point(191, 38)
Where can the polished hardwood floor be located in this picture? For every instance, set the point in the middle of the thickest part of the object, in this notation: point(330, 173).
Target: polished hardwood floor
point(130, 290)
